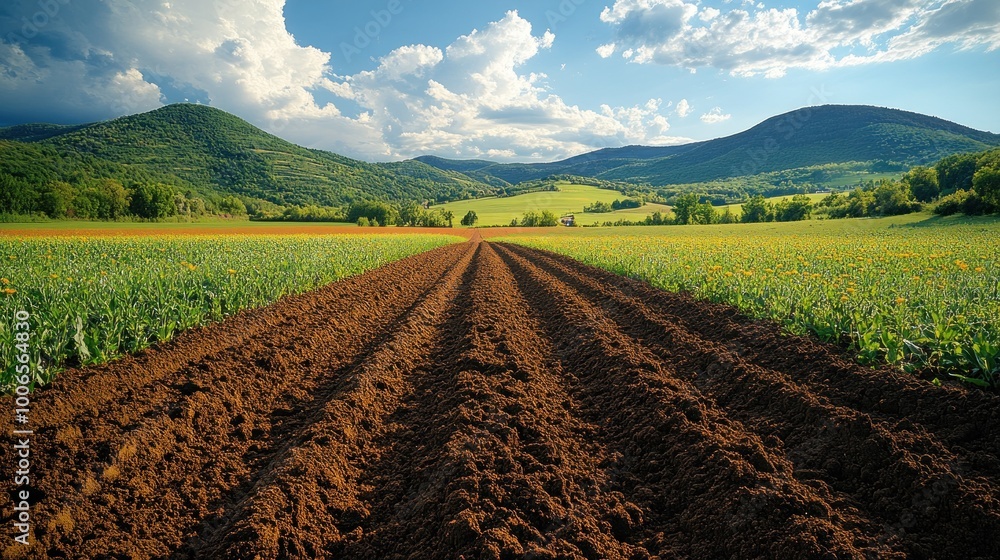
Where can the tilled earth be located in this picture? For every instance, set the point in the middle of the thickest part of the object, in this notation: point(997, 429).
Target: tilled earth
point(486, 400)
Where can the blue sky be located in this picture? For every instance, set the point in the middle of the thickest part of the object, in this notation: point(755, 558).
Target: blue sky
point(505, 80)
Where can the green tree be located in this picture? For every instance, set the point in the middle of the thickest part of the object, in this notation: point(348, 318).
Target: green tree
point(685, 208)
point(986, 183)
point(797, 208)
point(545, 218)
point(449, 215)
point(955, 172)
point(152, 201)
point(84, 204)
point(233, 206)
point(599, 207)
point(189, 205)
point(757, 210)
point(894, 198)
point(410, 213)
point(704, 213)
point(831, 201)
point(56, 199)
point(966, 202)
point(860, 203)
point(470, 219)
point(434, 218)
point(923, 182)
point(382, 212)
point(111, 199)
point(529, 219)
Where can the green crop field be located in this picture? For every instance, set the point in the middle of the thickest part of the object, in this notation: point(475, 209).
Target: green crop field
point(914, 291)
point(569, 199)
point(93, 299)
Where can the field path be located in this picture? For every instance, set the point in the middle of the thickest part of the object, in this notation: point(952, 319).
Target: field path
point(486, 400)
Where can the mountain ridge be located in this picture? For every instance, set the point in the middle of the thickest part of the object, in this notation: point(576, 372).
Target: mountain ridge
point(805, 137)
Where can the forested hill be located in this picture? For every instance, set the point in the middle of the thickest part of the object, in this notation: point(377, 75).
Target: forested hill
point(215, 154)
point(807, 137)
point(206, 160)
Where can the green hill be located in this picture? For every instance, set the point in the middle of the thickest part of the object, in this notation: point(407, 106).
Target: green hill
point(216, 153)
point(809, 137)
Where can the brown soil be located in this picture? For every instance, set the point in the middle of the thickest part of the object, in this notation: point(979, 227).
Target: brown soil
point(486, 400)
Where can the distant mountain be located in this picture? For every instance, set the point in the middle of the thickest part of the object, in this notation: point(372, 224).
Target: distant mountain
point(586, 165)
point(803, 138)
point(216, 152)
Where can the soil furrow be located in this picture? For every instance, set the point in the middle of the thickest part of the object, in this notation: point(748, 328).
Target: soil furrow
point(492, 401)
point(149, 378)
point(960, 418)
point(878, 466)
point(298, 502)
point(184, 454)
point(675, 445)
point(500, 467)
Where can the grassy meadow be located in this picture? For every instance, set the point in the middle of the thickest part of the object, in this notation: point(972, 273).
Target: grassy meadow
point(569, 199)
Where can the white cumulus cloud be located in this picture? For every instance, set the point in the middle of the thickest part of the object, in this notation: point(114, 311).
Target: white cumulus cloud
point(683, 108)
point(715, 116)
point(606, 50)
point(756, 40)
point(470, 98)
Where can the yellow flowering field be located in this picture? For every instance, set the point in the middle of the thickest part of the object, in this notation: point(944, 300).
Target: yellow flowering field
point(92, 299)
point(912, 296)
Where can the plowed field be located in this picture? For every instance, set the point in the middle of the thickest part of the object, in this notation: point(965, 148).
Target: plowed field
point(491, 401)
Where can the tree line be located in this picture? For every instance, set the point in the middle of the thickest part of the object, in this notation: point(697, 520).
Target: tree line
point(605, 208)
point(110, 199)
point(962, 183)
